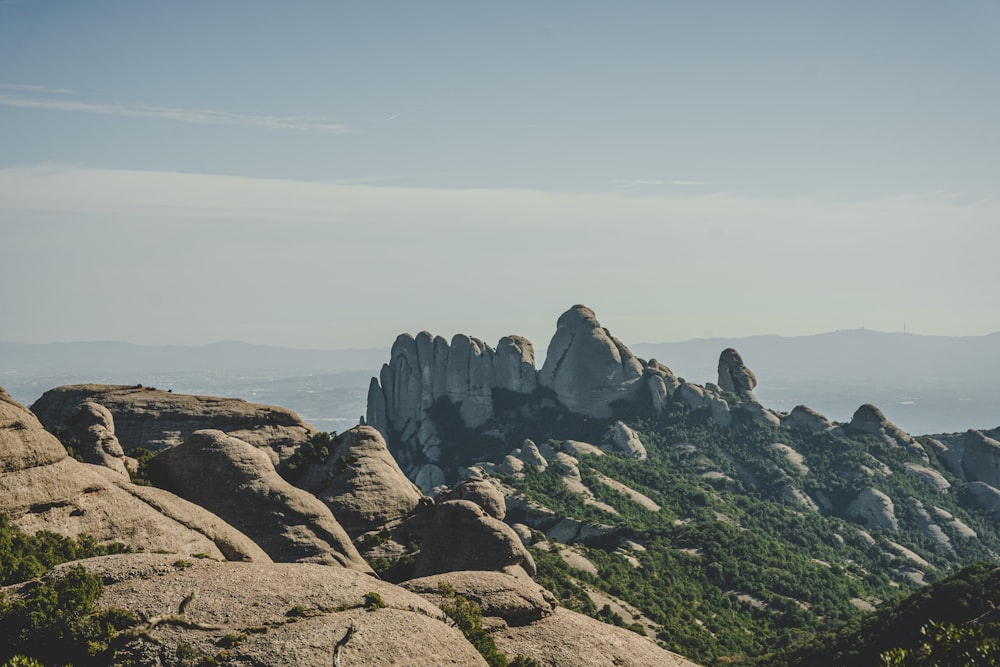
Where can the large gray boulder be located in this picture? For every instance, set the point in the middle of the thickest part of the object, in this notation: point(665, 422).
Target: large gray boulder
point(155, 419)
point(361, 483)
point(484, 492)
point(42, 488)
point(805, 418)
point(237, 482)
point(515, 365)
point(586, 367)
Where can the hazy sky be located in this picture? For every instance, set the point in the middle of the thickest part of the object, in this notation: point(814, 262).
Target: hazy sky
point(330, 174)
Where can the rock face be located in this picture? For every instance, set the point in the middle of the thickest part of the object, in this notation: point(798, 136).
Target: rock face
point(237, 482)
point(42, 488)
point(807, 419)
point(981, 459)
point(625, 439)
point(93, 427)
point(460, 535)
point(361, 483)
point(869, 420)
point(483, 492)
point(425, 369)
point(734, 375)
point(874, 509)
point(516, 600)
point(241, 600)
point(155, 419)
point(587, 367)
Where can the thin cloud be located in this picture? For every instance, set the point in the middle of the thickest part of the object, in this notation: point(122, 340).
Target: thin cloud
point(195, 116)
point(26, 88)
point(636, 183)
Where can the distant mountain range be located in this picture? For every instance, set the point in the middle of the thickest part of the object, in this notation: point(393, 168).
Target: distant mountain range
point(926, 384)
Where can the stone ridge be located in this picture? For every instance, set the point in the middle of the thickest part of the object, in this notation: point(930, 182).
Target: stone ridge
point(155, 419)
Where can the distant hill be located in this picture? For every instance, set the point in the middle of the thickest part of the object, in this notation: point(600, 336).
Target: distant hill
point(926, 384)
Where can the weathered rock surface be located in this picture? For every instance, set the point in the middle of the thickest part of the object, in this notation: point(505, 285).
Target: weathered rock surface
point(42, 488)
point(734, 375)
point(627, 440)
point(567, 638)
point(661, 383)
point(484, 492)
point(986, 496)
point(805, 418)
point(361, 483)
point(238, 599)
point(586, 366)
point(425, 369)
point(981, 458)
point(515, 599)
point(93, 428)
point(929, 475)
point(154, 419)
point(237, 482)
point(869, 420)
point(460, 535)
point(874, 509)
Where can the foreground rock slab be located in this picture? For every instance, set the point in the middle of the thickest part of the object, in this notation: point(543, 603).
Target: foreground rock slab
point(275, 614)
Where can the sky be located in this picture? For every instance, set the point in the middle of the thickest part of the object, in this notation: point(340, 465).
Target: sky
point(331, 174)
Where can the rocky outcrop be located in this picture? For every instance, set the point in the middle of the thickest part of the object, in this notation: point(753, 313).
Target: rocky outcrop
point(627, 440)
point(92, 427)
point(425, 369)
point(460, 535)
point(986, 496)
point(237, 482)
point(586, 367)
point(869, 420)
point(981, 458)
point(660, 382)
point(807, 419)
point(874, 509)
point(284, 614)
point(361, 483)
point(734, 376)
point(42, 488)
point(484, 492)
point(929, 475)
point(154, 419)
point(567, 638)
point(517, 600)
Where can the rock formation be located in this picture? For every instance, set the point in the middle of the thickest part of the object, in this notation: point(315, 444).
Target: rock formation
point(460, 535)
point(237, 482)
point(586, 367)
point(485, 493)
point(734, 376)
point(625, 439)
point(426, 369)
point(869, 420)
point(93, 429)
point(42, 488)
point(361, 483)
point(517, 600)
point(981, 458)
point(154, 419)
point(807, 419)
point(283, 614)
point(874, 509)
